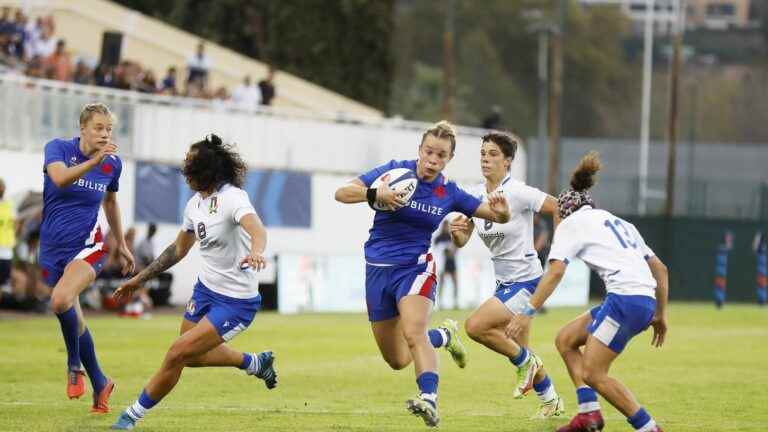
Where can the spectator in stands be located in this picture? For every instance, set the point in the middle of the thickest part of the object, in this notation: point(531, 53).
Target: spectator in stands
point(59, 64)
point(7, 236)
point(45, 45)
point(6, 25)
point(168, 85)
point(104, 76)
point(493, 120)
point(145, 251)
point(83, 74)
point(443, 243)
point(19, 36)
point(267, 87)
point(198, 66)
point(246, 95)
point(147, 82)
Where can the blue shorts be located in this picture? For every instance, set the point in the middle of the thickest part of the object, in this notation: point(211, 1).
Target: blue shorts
point(515, 295)
point(619, 318)
point(229, 315)
point(53, 259)
point(385, 286)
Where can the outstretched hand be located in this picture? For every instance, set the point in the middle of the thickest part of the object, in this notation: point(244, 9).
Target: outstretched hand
point(659, 324)
point(255, 261)
point(125, 291)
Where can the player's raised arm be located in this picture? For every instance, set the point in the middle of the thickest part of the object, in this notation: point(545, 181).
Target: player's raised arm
point(174, 253)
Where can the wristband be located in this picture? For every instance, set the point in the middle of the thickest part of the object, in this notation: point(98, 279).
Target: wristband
point(370, 195)
point(529, 310)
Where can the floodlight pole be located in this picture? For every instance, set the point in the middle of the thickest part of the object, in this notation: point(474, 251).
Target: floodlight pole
point(674, 79)
point(449, 79)
point(645, 116)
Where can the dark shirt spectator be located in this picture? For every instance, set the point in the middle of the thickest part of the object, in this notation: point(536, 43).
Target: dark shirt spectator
point(168, 85)
point(267, 87)
point(493, 120)
point(198, 66)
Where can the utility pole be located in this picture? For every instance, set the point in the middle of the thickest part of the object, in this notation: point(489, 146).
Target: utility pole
point(555, 101)
point(449, 75)
point(674, 78)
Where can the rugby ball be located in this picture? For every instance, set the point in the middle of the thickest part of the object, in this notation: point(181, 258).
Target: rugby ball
point(401, 180)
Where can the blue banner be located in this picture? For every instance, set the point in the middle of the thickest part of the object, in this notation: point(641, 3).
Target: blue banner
point(281, 198)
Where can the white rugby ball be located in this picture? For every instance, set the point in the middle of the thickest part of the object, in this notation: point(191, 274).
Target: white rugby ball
point(401, 180)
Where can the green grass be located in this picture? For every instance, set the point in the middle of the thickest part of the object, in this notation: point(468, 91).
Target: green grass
point(711, 375)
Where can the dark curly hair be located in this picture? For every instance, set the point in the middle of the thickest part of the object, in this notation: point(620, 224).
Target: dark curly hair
point(210, 163)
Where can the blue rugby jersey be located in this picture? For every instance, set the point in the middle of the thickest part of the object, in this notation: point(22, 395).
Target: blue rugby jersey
point(403, 236)
point(70, 213)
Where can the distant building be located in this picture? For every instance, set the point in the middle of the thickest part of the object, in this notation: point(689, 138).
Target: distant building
point(707, 14)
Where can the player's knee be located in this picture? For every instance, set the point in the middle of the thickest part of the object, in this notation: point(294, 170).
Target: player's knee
point(61, 302)
point(563, 342)
point(474, 329)
point(591, 376)
point(178, 356)
point(415, 337)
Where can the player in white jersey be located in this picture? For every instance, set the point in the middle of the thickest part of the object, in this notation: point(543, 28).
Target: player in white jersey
point(637, 285)
point(226, 296)
point(516, 265)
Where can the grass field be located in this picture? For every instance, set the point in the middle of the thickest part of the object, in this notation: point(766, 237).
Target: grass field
point(711, 376)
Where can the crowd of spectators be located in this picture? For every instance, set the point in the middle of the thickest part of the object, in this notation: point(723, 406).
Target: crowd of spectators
point(33, 48)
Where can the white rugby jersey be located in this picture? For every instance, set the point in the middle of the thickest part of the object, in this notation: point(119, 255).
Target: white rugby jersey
point(223, 242)
point(511, 244)
point(610, 246)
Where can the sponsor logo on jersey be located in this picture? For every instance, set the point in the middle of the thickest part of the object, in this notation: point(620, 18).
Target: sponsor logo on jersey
point(213, 207)
point(426, 208)
point(90, 184)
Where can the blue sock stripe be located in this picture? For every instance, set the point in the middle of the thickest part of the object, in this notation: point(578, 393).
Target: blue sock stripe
point(427, 382)
point(542, 386)
point(436, 339)
point(585, 395)
point(520, 358)
point(68, 322)
point(90, 362)
point(639, 419)
point(247, 359)
point(146, 401)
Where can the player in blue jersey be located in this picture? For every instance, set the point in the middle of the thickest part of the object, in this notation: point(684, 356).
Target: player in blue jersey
point(637, 285)
point(81, 174)
point(516, 266)
point(400, 277)
point(226, 297)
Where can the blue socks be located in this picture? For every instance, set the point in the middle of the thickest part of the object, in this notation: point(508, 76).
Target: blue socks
point(247, 359)
point(88, 358)
point(587, 399)
point(439, 337)
point(521, 357)
point(427, 383)
point(68, 321)
point(641, 420)
point(139, 408)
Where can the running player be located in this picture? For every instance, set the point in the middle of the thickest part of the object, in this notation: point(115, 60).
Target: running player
point(226, 295)
point(80, 175)
point(400, 271)
point(637, 285)
point(516, 265)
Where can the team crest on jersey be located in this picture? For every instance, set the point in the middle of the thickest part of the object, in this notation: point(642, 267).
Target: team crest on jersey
point(73, 161)
point(191, 307)
point(213, 207)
